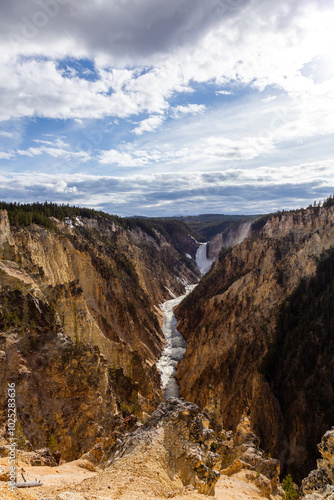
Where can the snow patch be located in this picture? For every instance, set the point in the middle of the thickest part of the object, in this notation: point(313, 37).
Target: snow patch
point(78, 221)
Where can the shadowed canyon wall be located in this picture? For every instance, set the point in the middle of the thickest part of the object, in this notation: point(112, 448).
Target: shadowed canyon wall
point(259, 334)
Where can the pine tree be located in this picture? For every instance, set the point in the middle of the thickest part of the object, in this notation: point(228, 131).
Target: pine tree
point(289, 488)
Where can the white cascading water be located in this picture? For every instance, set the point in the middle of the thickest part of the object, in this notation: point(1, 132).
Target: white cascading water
point(202, 261)
point(175, 348)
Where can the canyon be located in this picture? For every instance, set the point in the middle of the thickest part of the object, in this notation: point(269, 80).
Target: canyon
point(80, 306)
point(259, 334)
point(87, 303)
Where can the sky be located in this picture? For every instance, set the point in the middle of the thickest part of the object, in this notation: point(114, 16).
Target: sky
point(167, 107)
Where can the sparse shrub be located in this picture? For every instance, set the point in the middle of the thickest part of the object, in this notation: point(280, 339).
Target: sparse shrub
point(19, 434)
point(33, 342)
point(52, 443)
point(289, 488)
point(213, 446)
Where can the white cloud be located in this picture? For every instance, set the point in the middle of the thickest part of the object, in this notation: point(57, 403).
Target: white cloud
point(262, 189)
point(250, 129)
point(155, 59)
point(121, 159)
point(180, 110)
point(149, 124)
point(3, 133)
point(57, 149)
point(224, 47)
point(38, 88)
point(58, 142)
point(6, 155)
point(269, 98)
point(224, 92)
point(206, 152)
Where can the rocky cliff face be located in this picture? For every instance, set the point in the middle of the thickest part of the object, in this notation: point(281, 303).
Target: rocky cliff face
point(231, 237)
point(62, 390)
point(236, 326)
point(240, 452)
point(69, 296)
point(319, 484)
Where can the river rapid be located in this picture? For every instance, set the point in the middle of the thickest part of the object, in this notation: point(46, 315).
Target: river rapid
point(175, 348)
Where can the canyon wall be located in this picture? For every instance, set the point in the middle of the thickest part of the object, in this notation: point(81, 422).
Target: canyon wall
point(80, 324)
point(231, 237)
point(259, 334)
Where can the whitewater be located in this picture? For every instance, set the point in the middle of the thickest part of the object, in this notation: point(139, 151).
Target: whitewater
point(202, 261)
point(175, 348)
point(176, 345)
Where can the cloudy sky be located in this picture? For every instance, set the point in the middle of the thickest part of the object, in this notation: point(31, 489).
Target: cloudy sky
point(159, 107)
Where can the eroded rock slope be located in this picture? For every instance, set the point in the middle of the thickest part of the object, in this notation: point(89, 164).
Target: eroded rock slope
point(260, 333)
point(80, 324)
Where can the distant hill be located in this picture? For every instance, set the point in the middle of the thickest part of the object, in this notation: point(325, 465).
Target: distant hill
point(204, 226)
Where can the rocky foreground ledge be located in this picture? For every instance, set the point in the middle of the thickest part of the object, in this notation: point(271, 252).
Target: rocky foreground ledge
point(176, 433)
point(197, 455)
point(175, 454)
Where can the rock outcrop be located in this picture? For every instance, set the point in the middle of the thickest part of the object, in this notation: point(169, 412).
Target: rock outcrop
point(175, 454)
point(319, 484)
point(175, 434)
point(259, 332)
point(241, 452)
point(65, 392)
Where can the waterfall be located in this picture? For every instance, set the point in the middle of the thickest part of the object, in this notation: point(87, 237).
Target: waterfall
point(175, 348)
point(202, 261)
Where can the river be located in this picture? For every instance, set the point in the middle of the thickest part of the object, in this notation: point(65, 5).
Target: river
point(175, 348)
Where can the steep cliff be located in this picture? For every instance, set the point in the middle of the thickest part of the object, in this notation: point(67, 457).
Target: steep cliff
point(242, 347)
point(229, 238)
point(319, 484)
point(63, 390)
point(176, 435)
point(99, 286)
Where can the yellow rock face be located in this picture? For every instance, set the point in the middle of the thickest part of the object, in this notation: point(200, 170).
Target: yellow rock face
point(96, 287)
point(230, 321)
